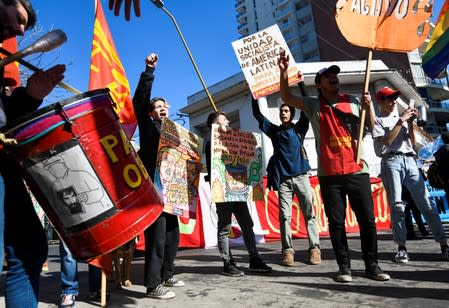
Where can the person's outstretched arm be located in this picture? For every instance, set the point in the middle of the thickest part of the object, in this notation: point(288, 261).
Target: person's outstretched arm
point(142, 94)
point(286, 95)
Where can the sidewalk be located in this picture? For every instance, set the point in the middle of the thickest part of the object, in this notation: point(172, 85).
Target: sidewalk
point(423, 282)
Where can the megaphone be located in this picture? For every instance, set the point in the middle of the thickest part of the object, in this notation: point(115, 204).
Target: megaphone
point(45, 43)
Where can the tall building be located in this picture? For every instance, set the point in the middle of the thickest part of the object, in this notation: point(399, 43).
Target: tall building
point(310, 30)
point(312, 34)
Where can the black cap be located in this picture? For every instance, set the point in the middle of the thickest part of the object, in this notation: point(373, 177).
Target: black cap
point(332, 69)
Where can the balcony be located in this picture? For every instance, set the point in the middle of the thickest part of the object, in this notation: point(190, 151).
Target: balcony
point(286, 25)
point(437, 89)
point(279, 14)
point(279, 3)
point(239, 3)
point(241, 16)
point(242, 26)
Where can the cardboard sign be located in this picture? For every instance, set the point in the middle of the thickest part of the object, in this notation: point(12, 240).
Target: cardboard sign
point(395, 25)
point(258, 54)
point(178, 168)
point(236, 165)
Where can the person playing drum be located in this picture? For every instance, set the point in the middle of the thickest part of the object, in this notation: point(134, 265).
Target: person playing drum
point(24, 239)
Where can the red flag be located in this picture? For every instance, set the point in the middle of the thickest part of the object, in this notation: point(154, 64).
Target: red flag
point(106, 71)
point(11, 77)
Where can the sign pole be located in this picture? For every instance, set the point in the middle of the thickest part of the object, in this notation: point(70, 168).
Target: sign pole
point(363, 115)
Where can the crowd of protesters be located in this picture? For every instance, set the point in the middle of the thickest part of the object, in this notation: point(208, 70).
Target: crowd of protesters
point(333, 117)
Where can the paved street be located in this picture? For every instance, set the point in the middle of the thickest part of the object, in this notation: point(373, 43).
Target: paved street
point(423, 282)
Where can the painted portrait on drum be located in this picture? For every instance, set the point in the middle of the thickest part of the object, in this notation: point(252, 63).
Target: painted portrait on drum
point(70, 185)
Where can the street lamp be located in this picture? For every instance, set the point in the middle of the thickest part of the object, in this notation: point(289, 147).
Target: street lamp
point(160, 5)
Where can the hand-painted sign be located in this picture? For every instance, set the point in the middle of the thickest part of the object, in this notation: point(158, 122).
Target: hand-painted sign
point(257, 55)
point(236, 165)
point(177, 169)
point(395, 25)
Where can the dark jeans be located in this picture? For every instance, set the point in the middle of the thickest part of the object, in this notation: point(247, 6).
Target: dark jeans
point(357, 187)
point(241, 212)
point(161, 246)
point(409, 209)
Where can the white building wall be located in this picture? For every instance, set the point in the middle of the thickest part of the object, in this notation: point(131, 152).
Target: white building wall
point(232, 97)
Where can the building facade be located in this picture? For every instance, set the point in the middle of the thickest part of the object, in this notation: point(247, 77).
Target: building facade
point(233, 97)
point(310, 30)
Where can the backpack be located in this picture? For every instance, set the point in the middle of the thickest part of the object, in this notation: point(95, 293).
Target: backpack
point(434, 177)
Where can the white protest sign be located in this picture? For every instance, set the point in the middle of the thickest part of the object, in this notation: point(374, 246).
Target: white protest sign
point(258, 54)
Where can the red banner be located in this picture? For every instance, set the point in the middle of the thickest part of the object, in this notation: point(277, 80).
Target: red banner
point(266, 217)
point(268, 212)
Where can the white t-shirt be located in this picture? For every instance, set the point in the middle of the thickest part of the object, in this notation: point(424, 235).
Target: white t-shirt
point(384, 125)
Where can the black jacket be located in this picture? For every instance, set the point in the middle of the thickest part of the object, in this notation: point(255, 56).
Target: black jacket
point(149, 130)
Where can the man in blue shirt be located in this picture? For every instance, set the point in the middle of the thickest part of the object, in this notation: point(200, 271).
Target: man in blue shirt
point(289, 165)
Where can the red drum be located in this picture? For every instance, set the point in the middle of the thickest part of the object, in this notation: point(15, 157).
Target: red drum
point(85, 173)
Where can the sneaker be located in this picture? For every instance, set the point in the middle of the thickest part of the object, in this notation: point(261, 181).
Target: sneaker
point(173, 282)
point(67, 300)
point(376, 273)
point(344, 273)
point(160, 292)
point(315, 256)
point(401, 257)
point(445, 254)
point(257, 265)
point(231, 270)
point(288, 258)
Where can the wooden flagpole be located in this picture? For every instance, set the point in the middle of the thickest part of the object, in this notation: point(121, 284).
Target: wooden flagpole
point(363, 115)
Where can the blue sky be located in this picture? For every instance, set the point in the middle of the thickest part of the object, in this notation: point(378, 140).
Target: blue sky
point(209, 27)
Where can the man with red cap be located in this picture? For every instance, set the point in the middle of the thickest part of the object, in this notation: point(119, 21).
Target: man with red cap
point(394, 140)
point(334, 119)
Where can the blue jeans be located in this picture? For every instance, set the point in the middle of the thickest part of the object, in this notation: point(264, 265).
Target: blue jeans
point(398, 170)
point(241, 212)
point(300, 186)
point(69, 271)
point(25, 242)
point(2, 219)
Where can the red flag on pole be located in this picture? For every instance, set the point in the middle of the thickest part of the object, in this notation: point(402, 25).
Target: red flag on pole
point(11, 77)
point(106, 71)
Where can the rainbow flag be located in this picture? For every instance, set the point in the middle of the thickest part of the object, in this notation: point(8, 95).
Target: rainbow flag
point(436, 56)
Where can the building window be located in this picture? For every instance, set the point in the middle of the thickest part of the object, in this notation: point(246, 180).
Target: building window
point(304, 20)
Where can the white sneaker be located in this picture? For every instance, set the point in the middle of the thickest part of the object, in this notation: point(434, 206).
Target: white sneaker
point(173, 282)
point(401, 257)
point(160, 292)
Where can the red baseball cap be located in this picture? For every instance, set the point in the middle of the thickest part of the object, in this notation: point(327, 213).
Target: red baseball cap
point(387, 92)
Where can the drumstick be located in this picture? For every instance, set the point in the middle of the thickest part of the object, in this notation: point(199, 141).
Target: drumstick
point(35, 69)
